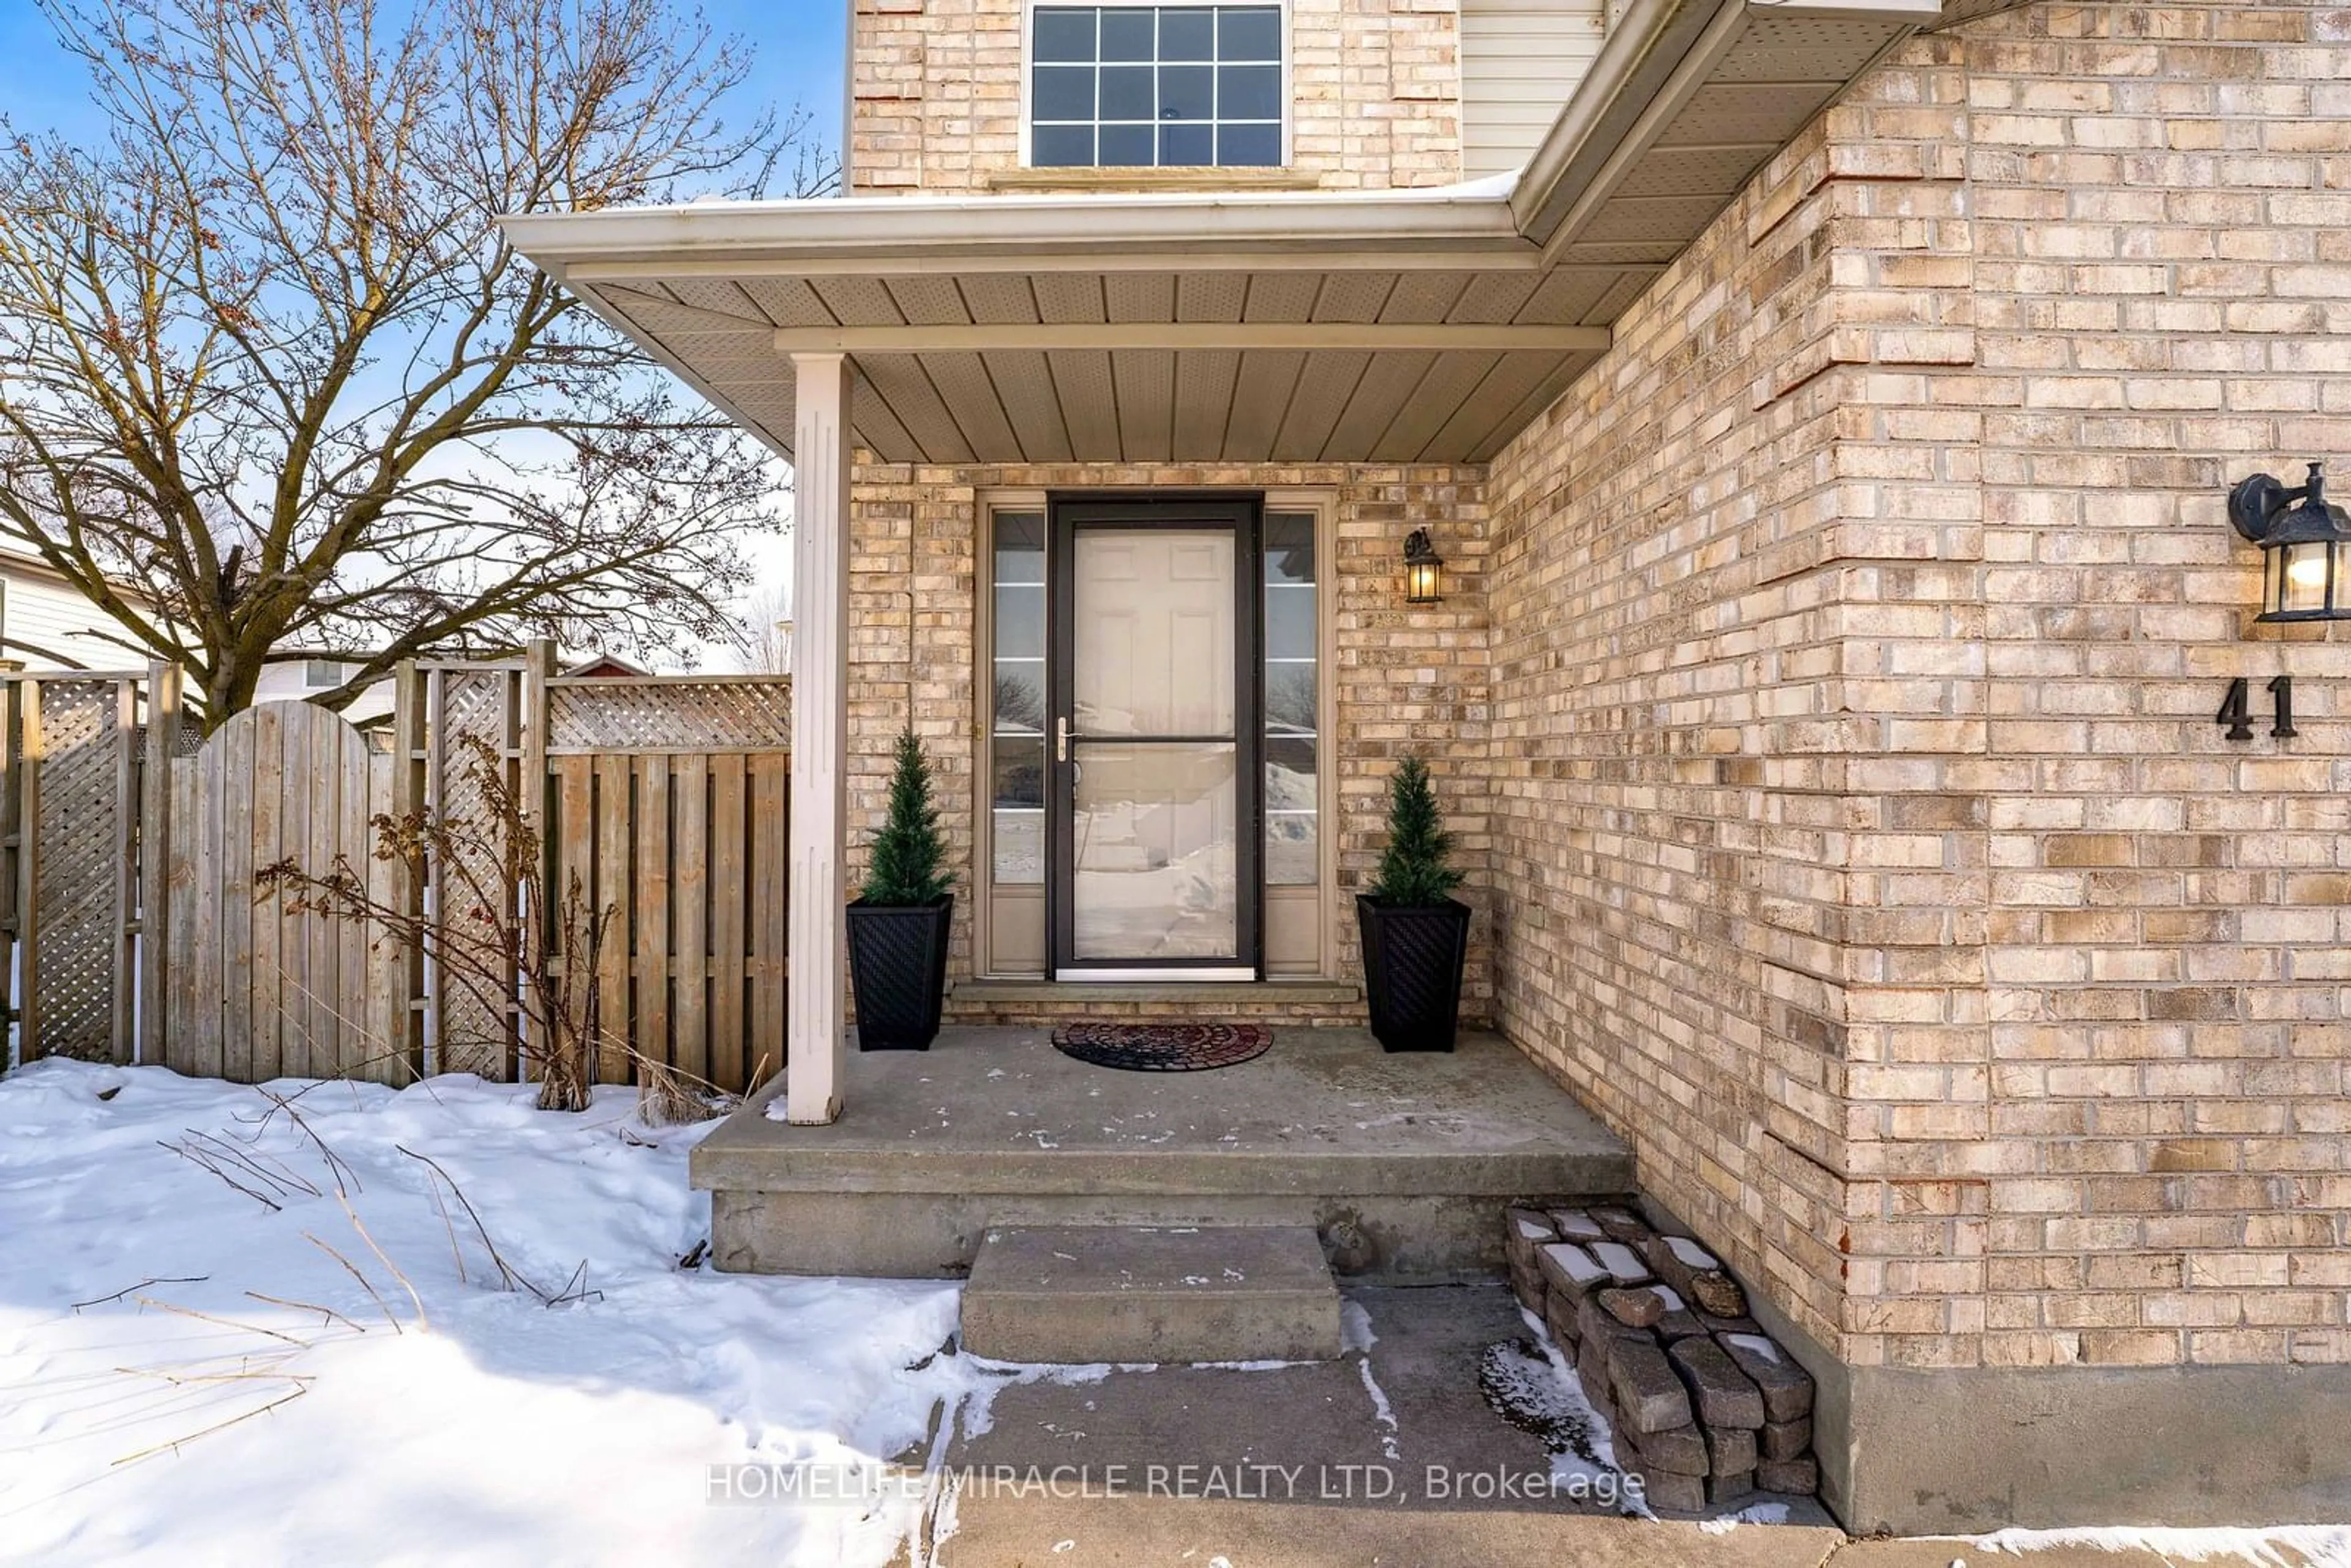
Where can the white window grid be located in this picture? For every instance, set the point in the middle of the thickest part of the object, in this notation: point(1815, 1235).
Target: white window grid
point(1028, 63)
point(1004, 734)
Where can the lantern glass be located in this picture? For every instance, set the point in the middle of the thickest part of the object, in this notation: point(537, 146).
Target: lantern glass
point(1422, 581)
point(2302, 582)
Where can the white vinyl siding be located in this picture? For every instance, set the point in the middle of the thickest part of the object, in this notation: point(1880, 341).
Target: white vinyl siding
point(40, 611)
point(40, 608)
point(1521, 59)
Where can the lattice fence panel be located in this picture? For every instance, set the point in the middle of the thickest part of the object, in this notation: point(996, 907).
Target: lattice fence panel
point(669, 715)
point(475, 1036)
point(78, 934)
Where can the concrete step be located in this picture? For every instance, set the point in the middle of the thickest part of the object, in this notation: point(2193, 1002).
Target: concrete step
point(1082, 1293)
point(1403, 1164)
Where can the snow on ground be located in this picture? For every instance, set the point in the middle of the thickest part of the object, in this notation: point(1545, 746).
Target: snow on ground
point(187, 1420)
point(175, 1415)
point(1583, 1446)
point(1356, 1334)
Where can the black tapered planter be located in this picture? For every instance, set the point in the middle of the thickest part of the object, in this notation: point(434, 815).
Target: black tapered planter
point(898, 969)
point(1413, 959)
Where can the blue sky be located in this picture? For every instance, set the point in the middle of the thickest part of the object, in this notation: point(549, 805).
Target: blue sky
point(801, 53)
point(798, 42)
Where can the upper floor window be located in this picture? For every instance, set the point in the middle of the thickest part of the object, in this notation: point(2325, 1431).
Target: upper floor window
point(1137, 86)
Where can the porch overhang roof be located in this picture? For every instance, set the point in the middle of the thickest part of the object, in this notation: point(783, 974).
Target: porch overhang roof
point(1418, 325)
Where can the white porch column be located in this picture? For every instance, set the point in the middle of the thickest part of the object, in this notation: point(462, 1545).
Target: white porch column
point(817, 934)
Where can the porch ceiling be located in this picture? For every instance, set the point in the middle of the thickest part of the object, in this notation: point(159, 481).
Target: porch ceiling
point(1406, 326)
point(1142, 367)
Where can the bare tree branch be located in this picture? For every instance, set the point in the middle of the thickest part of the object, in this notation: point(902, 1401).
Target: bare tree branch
point(766, 636)
point(271, 378)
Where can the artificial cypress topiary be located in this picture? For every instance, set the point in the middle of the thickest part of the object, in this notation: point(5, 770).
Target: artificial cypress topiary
point(1415, 870)
point(905, 869)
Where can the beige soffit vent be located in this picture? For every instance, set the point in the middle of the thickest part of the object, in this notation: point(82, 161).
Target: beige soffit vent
point(1236, 326)
point(1708, 88)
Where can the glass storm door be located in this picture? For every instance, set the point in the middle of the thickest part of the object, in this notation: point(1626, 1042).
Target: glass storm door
point(1156, 787)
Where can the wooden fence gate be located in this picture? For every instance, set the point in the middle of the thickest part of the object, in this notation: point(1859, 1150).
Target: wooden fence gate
point(252, 990)
point(129, 897)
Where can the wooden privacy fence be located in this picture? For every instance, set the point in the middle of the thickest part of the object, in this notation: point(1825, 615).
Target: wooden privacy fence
point(128, 896)
point(687, 850)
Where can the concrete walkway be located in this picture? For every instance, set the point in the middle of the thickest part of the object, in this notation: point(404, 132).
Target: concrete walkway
point(1441, 1438)
point(1238, 1536)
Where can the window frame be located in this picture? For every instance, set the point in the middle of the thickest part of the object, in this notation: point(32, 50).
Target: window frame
point(1029, 10)
point(986, 964)
point(988, 722)
point(1332, 905)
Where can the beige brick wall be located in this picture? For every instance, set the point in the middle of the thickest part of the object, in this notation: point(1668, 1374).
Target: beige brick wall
point(938, 94)
point(2124, 1141)
point(1669, 891)
point(1863, 845)
point(1404, 679)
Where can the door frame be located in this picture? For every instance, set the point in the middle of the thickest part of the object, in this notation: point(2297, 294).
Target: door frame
point(1065, 514)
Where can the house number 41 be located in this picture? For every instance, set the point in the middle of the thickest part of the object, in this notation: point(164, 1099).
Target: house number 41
point(2235, 710)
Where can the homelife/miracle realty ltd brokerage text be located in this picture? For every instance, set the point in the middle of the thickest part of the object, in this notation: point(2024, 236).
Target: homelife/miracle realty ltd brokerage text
point(1246, 1481)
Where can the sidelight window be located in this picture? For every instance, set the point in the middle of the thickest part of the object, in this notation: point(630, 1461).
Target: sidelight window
point(1017, 701)
point(1292, 703)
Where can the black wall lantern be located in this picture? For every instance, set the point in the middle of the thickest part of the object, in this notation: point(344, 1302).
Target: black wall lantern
point(2306, 543)
point(1423, 569)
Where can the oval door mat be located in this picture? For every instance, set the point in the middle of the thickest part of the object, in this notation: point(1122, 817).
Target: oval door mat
point(1163, 1047)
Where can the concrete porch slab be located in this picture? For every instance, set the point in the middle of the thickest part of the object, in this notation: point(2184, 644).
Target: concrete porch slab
point(1400, 1161)
point(1323, 1110)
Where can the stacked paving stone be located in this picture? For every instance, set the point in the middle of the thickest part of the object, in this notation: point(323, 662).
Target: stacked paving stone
point(1703, 1403)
